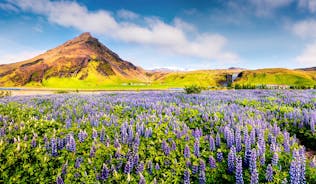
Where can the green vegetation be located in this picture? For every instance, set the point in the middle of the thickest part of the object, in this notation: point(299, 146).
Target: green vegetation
point(192, 89)
point(276, 77)
point(204, 78)
point(61, 92)
point(5, 93)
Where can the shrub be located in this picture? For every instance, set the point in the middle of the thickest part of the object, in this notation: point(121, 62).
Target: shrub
point(5, 93)
point(192, 89)
point(61, 92)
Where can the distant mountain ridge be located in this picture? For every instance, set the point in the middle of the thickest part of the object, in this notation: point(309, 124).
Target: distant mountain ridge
point(84, 62)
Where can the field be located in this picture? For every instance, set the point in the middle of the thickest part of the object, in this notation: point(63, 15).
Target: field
point(242, 136)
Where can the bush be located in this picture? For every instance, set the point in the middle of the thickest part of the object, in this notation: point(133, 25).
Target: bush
point(5, 93)
point(61, 92)
point(192, 89)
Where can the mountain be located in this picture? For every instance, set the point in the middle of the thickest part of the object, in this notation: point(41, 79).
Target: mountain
point(308, 69)
point(81, 60)
point(85, 63)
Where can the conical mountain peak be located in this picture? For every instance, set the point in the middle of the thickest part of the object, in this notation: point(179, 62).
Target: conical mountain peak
point(77, 59)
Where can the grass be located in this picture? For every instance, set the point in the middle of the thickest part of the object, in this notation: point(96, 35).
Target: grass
point(203, 78)
point(277, 76)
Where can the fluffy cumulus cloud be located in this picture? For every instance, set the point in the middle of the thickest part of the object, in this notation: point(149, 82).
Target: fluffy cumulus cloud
point(305, 28)
point(126, 14)
point(308, 4)
point(266, 7)
point(18, 56)
point(172, 37)
point(308, 56)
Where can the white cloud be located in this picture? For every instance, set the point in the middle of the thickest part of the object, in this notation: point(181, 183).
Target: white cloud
point(8, 7)
point(126, 14)
point(266, 7)
point(18, 56)
point(308, 56)
point(305, 28)
point(308, 4)
point(156, 33)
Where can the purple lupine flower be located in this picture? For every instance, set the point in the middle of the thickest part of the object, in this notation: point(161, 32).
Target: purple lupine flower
point(202, 165)
point(25, 137)
point(212, 162)
point(60, 143)
point(197, 148)
point(238, 140)
point(254, 179)
point(136, 140)
point(64, 169)
point(238, 173)
point(275, 159)
point(71, 145)
point(33, 142)
point(303, 165)
point(104, 172)
point(136, 159)
point(94, 134)
point(157, 167)
point(130, 133)
point(92, 151)
point(220, 156)
point(78, 162)
point(141, 179)
point(173, 145)
point(286, 146)
point(116, 143)
point(247, 143)
point(247, 158)
point(212, 143)
point(54, 147)
point(186, 177)
point(295, 172)
point(167, 150)
point(231, 159)
point(269, 173)
point(186, 151)
point(261, 144)
point(127, 168)
point(188, 163)
point(68, 123)
point(195, 169)
point(102, 135)
point(140, 167)
point(81, 136)
point(218, 140)
point(187, 138)
point(2, 132)
point(253, 160)
point(59, 180)
point(150, 166)
point(253, 137)
point(230, 139)
point(202, 178)
point(263, 159)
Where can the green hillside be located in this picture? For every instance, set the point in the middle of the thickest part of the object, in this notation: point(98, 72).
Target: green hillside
point(277, 76)
point(204, 78)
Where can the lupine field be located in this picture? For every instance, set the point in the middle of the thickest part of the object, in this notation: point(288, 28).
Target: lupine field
point(244, 136)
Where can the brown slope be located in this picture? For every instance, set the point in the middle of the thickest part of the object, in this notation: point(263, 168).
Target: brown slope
point(68, 60)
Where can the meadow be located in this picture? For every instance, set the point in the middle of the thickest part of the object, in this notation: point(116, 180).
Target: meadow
point(232, 136)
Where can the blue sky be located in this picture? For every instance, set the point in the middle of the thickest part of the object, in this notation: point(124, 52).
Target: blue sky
point(176, 34)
